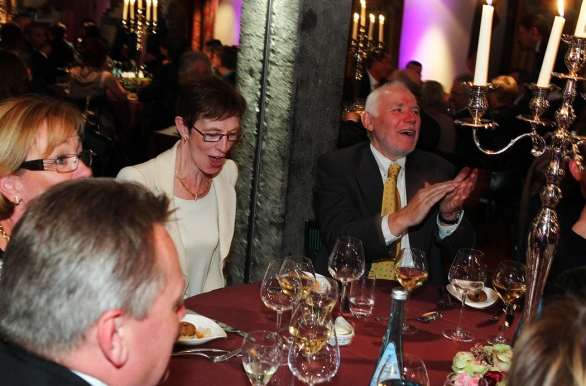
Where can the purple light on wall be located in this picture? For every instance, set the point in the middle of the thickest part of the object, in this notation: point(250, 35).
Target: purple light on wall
point(237, 19)
point(436, 33)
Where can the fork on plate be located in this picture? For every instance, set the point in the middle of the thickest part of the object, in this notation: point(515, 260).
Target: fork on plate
point(214, 358)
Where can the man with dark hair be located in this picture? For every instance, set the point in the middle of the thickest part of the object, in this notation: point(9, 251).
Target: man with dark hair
point(415, 66)
point(378, 67)
point(91, 288)
point(36, 37)
point(62, 52)
point(353, 182)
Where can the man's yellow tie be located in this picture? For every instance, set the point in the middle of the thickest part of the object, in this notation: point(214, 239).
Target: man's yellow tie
point(391, 204)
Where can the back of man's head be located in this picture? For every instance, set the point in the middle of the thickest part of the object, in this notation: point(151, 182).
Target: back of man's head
point(194, 62)
point(82, 248)
point(535, 20)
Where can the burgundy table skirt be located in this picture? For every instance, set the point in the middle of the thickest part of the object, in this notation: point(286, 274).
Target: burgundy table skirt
point(241, 307)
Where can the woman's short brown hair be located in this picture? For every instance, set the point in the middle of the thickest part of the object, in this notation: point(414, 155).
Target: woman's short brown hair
point(21, 122)
point(207, 96)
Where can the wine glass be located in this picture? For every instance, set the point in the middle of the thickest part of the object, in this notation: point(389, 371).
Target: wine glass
point(346, 263)
point(411, 269)
point(261, 356)
point(412, 373)
point(467, 273)
point(509, 283)
point(304, 268)
point(314, 357)
point(274, 295)
point(324, 295)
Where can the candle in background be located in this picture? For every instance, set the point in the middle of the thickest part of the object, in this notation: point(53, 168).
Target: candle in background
point(355, 26)
point(139, 4)
point(363, 13)
point(552, 47)
point(155, 3)
point(581, 24)
point(381, 25)
point(483, 50)
point(125, 10)
point(371, 26)
point(132, 9)
point(148, 10)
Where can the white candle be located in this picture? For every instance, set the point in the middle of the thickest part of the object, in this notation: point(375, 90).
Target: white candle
point(155, 3)
point(483, 50)
point(148, 10)
point(132, 9)
point(552, 49)
point(125, 10)
point(139, 4)
point(363, 13)
point(371, 27)
point(355, 26)
point(581, 24)
point(381, 24)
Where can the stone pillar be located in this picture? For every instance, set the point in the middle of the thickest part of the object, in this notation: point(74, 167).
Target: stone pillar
point(292, 80)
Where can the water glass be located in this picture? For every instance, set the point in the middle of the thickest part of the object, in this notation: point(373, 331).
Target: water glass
point(362, 296)
point(411, 373)
point(261, 356)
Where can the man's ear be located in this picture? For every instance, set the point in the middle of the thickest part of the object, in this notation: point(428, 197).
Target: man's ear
point(367, 120)
point(113, 336)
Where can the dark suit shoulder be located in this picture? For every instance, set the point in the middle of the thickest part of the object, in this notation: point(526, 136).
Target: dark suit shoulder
point(348, 155)
point(20, 368)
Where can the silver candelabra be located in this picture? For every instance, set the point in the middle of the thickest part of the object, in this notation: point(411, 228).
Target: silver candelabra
point(139, 25)
point(361, 47)
point(562, 146)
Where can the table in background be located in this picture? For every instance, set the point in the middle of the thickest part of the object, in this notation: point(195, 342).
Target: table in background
point(241, 307)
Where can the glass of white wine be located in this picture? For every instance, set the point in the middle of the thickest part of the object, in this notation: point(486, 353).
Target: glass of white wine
point(303, 267)
point(411, 270)
point(324, 295)
point(509, 282)
point(467, 273)
point(346, 263)
point(274, 295)
point(261, 356)
point(313, 359)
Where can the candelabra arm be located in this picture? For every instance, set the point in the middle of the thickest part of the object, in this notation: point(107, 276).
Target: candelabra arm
point(502, 150)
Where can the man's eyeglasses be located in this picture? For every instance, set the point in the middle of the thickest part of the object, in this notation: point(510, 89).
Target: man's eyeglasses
point(62, 164)
point(232, 137)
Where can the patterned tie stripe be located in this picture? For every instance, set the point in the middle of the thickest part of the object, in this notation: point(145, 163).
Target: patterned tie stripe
point(391, 203)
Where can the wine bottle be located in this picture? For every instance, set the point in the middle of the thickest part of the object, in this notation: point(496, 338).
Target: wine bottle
point(393, 340)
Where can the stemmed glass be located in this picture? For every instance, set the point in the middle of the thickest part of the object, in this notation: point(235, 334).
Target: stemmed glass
point(346, 263)
point(412, 373)
point(323, 295)
point(261, 356)
point(313, 359)
point(304, 269)
point(273, 294)
point(509, 283)
point(411, 270)
point(467, 273)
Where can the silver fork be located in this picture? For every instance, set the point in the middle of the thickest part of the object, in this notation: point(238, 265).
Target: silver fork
point(214, 358)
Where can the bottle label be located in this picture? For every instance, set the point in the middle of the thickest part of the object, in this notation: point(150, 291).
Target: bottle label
point(387, 365)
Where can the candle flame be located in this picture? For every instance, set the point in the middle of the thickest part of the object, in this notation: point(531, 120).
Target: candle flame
point(363, 2)
point(489, 2)
point(371, 18)
point(155, 2)
point(381, 18)
point(561, 7)
point(356, 17)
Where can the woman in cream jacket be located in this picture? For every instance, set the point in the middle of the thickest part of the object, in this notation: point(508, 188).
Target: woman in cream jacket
point(199, 180)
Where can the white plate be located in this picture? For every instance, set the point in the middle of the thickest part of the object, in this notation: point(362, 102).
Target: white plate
point(491, 297)
point(201, 321)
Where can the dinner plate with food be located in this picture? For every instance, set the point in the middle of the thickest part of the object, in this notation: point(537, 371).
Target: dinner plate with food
point(482, 298)
point(197, 329)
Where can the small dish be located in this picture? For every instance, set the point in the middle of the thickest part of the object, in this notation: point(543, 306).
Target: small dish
point(344, 332)
point(201, 321)
point(491, 297)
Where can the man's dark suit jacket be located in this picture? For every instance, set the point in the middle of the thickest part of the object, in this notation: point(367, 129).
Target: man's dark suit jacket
point(348, 196)
point(20, 368)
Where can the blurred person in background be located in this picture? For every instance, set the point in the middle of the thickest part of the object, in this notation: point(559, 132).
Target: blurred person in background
point(14, 76)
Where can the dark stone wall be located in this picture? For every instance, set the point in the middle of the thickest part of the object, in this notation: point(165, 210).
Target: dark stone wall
point(293, 115)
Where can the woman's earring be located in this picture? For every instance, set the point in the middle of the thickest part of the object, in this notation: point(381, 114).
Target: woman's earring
point(184, 139)
point(16, 200)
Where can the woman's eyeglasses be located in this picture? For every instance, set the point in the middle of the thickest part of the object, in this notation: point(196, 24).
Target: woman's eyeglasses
point(62, 164)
